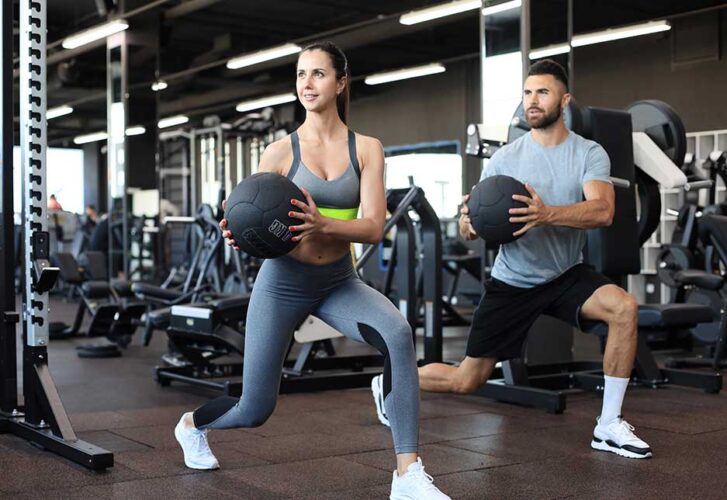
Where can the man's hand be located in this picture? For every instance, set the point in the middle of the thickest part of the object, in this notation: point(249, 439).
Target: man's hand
point(535, 214)
point(465, 226)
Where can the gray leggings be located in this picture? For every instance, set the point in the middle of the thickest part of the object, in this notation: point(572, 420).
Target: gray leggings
point(285, 292)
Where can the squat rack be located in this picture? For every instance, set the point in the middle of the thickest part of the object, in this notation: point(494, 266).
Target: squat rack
point(41, 418)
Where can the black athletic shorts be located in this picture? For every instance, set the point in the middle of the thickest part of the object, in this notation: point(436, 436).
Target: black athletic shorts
point(505, 314)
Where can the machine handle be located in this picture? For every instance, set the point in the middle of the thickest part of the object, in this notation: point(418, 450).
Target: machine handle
point(620, 183)
point(690, 186)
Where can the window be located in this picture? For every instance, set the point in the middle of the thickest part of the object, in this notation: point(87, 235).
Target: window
point(435, 167)
point(64, 172)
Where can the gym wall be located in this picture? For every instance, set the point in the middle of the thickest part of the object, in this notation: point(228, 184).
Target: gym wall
point(434, 108)
point(690, 75)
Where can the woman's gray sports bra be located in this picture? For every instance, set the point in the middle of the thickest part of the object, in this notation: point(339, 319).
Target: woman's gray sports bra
point(338, 198)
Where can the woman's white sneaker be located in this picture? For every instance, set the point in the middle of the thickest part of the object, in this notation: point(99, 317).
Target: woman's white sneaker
point(377, 388)
point(618, 437)
point(197, 453)
point(415, 485)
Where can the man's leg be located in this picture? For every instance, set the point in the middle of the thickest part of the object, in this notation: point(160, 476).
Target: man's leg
point(619, 310)
point(463, 379)
point(500, 326)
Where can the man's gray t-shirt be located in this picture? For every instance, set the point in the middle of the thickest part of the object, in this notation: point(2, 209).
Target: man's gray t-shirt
point(557, 174)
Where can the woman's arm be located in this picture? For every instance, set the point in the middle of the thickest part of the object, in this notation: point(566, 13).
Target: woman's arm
point(370, 227)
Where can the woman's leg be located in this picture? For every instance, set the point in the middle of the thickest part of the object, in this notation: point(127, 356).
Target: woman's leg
point(363, 314)
point(272, 316)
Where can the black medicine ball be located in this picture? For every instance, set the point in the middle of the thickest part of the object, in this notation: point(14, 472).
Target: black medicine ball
point(489, 205)
point(257, 214)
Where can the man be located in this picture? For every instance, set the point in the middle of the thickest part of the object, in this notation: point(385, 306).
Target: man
point(542, 272)
point(91, 219)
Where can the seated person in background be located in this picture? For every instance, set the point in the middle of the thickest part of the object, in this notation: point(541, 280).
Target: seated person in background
point(53, 203)
point(91, 219)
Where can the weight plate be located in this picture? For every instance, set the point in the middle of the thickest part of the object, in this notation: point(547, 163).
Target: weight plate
point(662, 124)
point(671, 259)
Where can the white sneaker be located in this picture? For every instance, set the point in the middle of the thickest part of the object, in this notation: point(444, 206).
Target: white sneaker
point(377, 387)
point(197, 453)
point(415, 485)
point(618, 437)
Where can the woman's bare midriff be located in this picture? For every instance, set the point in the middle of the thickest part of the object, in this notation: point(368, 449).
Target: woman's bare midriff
point(320, 249)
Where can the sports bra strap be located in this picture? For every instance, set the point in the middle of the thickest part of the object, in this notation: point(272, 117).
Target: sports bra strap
point(296, 154)
point(352, 152)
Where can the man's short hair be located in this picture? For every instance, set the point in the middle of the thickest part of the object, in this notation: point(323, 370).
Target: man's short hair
point(550, 67)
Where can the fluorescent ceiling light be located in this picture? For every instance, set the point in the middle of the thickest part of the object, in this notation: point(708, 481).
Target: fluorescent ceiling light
point(102, 136)
point(618, 33)
point(137, 130)
point(263, 102)
point(441, 10)
point(59, 111)
point(96, 136)
point(550, 50)
point(93, 34)
point(172, 121)
point(403, 74)
point(263, 55)
point(501, 7)
point(159, 85)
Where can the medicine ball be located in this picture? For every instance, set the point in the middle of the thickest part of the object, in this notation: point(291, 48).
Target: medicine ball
point(489, 205)
point(257, 214)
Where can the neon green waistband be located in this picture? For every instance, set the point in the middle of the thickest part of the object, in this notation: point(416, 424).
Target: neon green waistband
point(339, 213)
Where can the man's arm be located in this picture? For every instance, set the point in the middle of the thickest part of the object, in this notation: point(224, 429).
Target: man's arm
point(596, 211)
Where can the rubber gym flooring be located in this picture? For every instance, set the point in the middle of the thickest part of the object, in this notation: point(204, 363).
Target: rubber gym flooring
point(330, 445)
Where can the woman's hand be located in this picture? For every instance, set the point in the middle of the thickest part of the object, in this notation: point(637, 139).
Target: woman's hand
point(227, 234)
point(465, 225)
point(312, 220)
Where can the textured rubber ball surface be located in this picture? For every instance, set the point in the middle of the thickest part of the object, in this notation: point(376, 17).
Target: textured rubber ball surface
point(489, 205)
point(257, 214)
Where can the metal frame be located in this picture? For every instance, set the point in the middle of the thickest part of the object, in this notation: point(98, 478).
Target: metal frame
point(547, 386)
point(8, 364)
point(324, 374)
point(42, 420)
point(431, 234)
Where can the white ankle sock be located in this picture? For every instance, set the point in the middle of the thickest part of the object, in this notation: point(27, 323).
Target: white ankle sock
point(613, 397)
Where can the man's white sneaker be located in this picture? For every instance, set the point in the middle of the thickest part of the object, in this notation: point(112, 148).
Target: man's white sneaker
point(618, 437)
point(197, 453)
point(415, 485)
point(377, 388)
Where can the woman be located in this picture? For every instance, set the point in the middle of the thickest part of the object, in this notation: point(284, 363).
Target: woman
point(336, 170)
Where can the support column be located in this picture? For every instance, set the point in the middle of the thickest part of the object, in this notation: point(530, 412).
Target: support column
point(8, 364)
point(117, 112)
point(525, 37)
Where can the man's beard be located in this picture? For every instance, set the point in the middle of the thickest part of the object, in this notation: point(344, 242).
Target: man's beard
point(545, 121)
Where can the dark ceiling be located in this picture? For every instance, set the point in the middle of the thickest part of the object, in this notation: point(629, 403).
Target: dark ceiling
point(188, 42)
